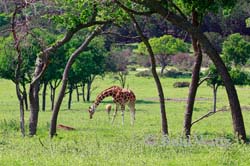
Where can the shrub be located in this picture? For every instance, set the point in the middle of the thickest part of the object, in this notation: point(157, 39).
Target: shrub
point(183, 61)
point(145, 73)
point(173, 73)
point(181, 84)
point(132, 68)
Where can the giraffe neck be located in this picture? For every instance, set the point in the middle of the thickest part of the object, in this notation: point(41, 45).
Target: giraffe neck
point(106, 93)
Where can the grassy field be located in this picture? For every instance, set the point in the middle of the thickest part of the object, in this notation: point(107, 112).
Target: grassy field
point(97, 142)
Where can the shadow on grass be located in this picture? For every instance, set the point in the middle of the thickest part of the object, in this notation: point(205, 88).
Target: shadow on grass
point(137, 102)
point(145, 102)
point(215, 135)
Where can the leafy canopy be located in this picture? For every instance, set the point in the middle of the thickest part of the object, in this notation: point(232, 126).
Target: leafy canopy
point(236, 50)
point(164, 45)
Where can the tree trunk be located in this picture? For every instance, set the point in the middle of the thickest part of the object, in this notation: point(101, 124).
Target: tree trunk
point(65, 80)
point(215, 88)
point(70, 96)
point(83, 92)
point(34, 108)
point(52, 95)
point(77, 93)
point(195, 80)
point(155, 75)
point(162, 69)
point(238, 122)
point(88, 90)
point(22, 121)
point(44, 95)
point(21, 107)
point(25, 98)
point(34, 96)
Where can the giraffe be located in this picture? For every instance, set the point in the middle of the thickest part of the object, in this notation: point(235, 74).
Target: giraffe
point(121, 97)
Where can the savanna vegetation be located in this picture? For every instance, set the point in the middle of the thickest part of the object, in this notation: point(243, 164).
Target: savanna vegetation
point(186, 61)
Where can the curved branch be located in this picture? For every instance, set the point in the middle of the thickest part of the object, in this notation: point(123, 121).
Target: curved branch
point(206, 116)
point(146, 13)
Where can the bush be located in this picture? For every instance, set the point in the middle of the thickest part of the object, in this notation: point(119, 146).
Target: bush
point(173, 73)
point(145, 73)
point(183, 61)
point(132, 68)
point(181, 84)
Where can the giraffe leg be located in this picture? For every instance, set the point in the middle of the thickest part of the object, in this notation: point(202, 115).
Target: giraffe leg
point(115, 112)
point(122, 109)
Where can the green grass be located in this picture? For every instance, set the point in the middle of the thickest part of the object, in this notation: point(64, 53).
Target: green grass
point(97, 142)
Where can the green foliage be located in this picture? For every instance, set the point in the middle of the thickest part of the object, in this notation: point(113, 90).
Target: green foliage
point(248, 22)
point(240, 77)
point(4, 19)
point(173, 73)
point(88, 63)
point(204, 6)
point(215, 78)
point(166, 45)
point(236, 50)
point(74, 13)
point(7, 59)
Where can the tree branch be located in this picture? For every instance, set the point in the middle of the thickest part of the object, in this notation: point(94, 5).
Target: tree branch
point(119, 35)
point(146, 13)
point(178, 9)
point(206, 116)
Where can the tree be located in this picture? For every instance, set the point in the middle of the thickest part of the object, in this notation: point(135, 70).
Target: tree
point(97, 10)
point(93, 57)
point(79, 16)
point(236, 50)
point(165, 46)
point(176, 18)
point(71, 60)
point(247, 22)
point(117, 63)
point(235, 56)
point(145, 40)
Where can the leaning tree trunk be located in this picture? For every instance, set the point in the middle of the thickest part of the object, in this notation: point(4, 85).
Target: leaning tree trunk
point(65, 80)
point(195, 80)
point(238, 122)
point(155, 75)
point(41, 64)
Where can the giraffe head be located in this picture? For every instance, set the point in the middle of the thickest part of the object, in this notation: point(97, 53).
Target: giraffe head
point(91, 111)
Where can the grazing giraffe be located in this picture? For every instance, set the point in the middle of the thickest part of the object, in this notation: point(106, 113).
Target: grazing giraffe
point(108, 109)
point(121, 97)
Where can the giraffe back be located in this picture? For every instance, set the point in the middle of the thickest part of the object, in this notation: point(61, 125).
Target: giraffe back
point(125, 96)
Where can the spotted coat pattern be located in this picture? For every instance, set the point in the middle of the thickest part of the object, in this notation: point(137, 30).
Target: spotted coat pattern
point(120, 97)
